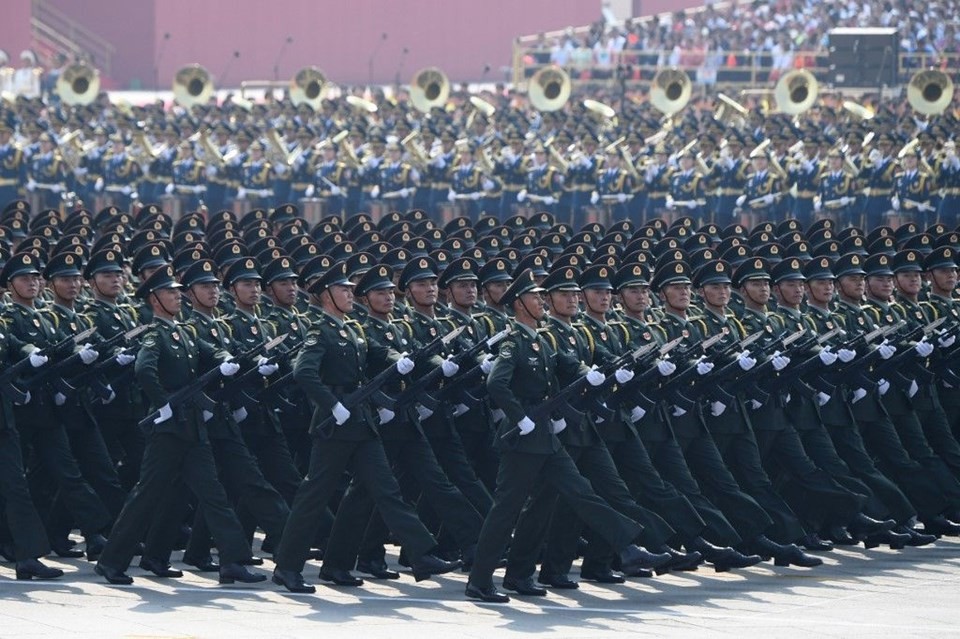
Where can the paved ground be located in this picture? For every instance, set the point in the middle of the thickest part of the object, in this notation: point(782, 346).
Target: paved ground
point(857, 593)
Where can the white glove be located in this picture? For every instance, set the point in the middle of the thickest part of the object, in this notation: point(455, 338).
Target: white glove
point(875, 156)
point(886, 350)
point(241, 193)
point(460, 409)
point(207, 416)
point(755, 405)
point(26, 399)
point(691, 204)
point(828, 357)
point(386, 415)
point(476, 195)
point(678, 412)
point(134, 195)
point(717, 408)
point(168, 189)
point(280, 169)
point(858, 394)
point(165, 413)
point(98, 185)
point(549, 200)
point(807, 166)
point(669, 203)
point(895, 203)
point(846, 355)
point(239, 415)
point(557, 425)
point(228, 369)
point(923, 348)
point(741, 200)
point(56, 188)
point(846, 200)
point(375, 191)
point(621, 197)
point(623, 375)
point(211, 170)
point(487, 184)
point(112, 395)
point(786, 398)
point(404, 192)
point(340, 413)
point(704, 367)
point(487, 364)
point(780, 362)
point(59, 399)
point(310, 190)
point(335, 190)
point(913, 388)
point(31, 185)
point(768, 198)
point(822, 398)
point(127, 190)
point(883, 386)
point(594, 197)
point(817, 205)
point(266, 368)
point(745, 361)
point(521, 195)
point(423, 412)
point(595, 377)
point(88, 355)
point(452, 195)
point(636, 414)
point(125, 359)
point(526, 425)
point(404, 364)
point(665, 367)
point(38, 359)
point(449, 367)
point(946, 342)
point(80, 171)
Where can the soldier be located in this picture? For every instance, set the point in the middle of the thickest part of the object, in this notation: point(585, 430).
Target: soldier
point(37, 422)
point(877, 172)
point(686, 188)
point(120, 175)
point(730, 173)
point(912, 189)
point(614, 186)
point(657, 177)
point(948, 179)
point(188, 178)
point(256, 178)
point(13, 167)
point(804, 172)
point(332, 178)
point(511, 169)
point(47, 174)
point(544, 181)
point(836, 190)
point(333, 364)
point(941, 271)
point(467, 182)
point(398, 180)
point(762, 191)
point(177, 443)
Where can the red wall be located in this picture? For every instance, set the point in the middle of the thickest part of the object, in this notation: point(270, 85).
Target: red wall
point(15, 28)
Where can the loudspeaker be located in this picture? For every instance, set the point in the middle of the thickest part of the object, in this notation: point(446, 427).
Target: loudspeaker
point(864, 57)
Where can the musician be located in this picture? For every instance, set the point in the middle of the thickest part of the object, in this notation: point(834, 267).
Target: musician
point(948, 178)
point(303, 168)
point(511, 169)
point(91, 165)
point(421, 199)
point(912, 189)
point(544, 182)
point(582, 177)
point(730, 173)
point(836, 191)
point(256, 178)
point(614, 185)
point(120, 174)
point(369, 172)
point(220, 175)
point(12, 165)
point(159, 172)
point(657, 178)
point(398, 180)
point(189, 178)
point(468, 182)
point(763, 189)
point(878, 172)
point(332, 180)
point(686, 188)
point(804, 173)
point(47, 174)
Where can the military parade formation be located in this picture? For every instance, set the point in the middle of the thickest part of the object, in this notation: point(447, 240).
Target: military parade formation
point(502, 334)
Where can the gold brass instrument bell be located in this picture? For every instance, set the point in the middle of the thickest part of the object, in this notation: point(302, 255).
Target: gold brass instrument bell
point(306, 87)
point(192, 85)
point(930, 92)
point(796, 91)
point(78, 84)
point(670, 90)
point(429, 89)
point(549, 88)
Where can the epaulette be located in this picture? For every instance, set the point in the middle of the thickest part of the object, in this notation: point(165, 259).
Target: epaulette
point(548, 334)
point(51, 316)
point(873, 310)
point(357, 326)
point(701, 325)
point(190, 327)
point(591, 343)
point(491, 328)
point(779, 321)
point(933, 313)
point(740, 327)
point(623, 329)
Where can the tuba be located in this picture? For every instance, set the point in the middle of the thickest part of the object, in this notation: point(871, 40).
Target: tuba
point(670, 90)
point(429, 89)
point(78, 84)
point(192, 85)
point(307, 87)
point(930, 92)
point(796, 91)
point(549, 88)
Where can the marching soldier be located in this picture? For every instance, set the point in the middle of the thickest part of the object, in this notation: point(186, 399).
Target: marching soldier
point(189, 178)
point(120, 175)
point(468, 183)
point(332, 179)
point(804, 174)
point(511, 169)
point(836, 190)
point(47, 174)
point(13, 167)
point(256, 178)
point(730, 173)
point(948, 179)
point(912, 189)
point(614, 186)
point(686, 188)
point(762, 191)
point(657, 177)
point(877, 173)
point(398, 180)
point(544, 181)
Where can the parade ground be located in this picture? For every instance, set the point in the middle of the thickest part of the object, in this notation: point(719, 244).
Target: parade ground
point(856, 593)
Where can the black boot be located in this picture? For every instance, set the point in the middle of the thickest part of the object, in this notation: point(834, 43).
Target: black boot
point(916, 538)
point(292, 581)
point(35, 569)
point(486, 593)
point(812, 541)
point(839, 536)
point(160, 568)
point(785, 554)
point(722, 558)
point(95, 545)
point(895, 540)
point(230, 573)
point(429, 565)
point(861, 526)
point(377, 568)
point(113, 576)
point(941, 527)
point(340, 577)
point(64, 548)
point(680, 560)
point(634, 560)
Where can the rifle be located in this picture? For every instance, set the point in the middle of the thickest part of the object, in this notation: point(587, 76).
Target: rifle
point(560, 403)
point(237, 386)
point(893, 368)
point(747, 382)
point(193, 391)
point(60, 357)
point(844, 374)
point(371, 389)
point(92, 378)
point(417, 390)
point(631, 390)
point(690, 373)
point(711, 382)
